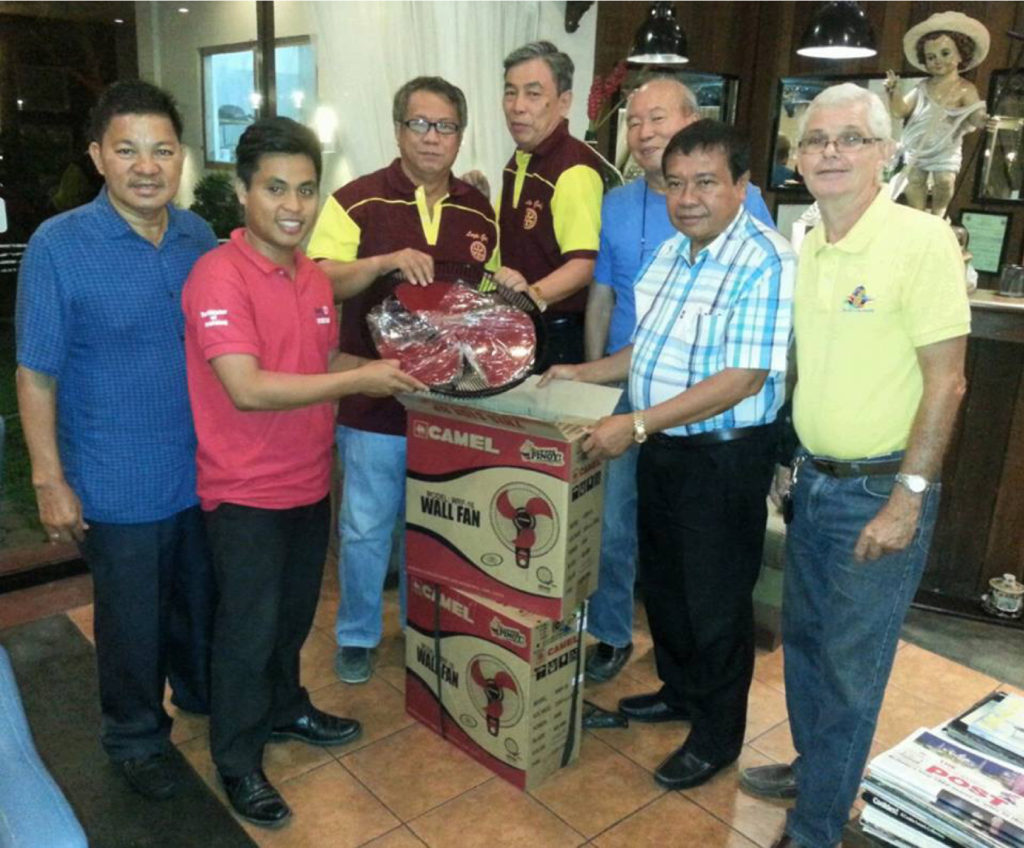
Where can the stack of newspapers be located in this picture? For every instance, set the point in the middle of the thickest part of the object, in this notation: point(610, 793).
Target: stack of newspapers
point(960, 785)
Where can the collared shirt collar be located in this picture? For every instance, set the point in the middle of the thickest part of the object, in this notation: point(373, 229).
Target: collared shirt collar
point(115, 226)
point(263, 263)
point(863, 232)
point(400, 182)
point(558, 135)
point(721, 247)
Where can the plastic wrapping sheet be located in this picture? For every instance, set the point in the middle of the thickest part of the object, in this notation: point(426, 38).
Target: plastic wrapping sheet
point(454, 339)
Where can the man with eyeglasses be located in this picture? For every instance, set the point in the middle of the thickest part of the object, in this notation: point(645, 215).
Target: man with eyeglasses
point(549, 212)
point(412, 217)
point(881, 327)
point(706, 371)
point(634, 223)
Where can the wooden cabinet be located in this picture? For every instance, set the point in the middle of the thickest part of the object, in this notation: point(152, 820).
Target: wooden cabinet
point(980, 530)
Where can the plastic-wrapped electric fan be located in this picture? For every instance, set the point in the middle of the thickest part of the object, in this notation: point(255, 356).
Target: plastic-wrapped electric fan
point(457, 340)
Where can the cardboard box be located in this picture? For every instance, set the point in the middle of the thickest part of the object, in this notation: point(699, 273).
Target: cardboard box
point(501, 500)
point(503, 685)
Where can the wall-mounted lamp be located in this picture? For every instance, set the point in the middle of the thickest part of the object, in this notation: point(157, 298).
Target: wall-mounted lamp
point(838, 30)
point(660, 40)
point(325, 125)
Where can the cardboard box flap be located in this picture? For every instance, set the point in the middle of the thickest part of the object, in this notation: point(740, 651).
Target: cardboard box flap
point(561, 401)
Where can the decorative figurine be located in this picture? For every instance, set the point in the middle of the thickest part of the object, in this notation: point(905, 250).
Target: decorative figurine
point(940, 110)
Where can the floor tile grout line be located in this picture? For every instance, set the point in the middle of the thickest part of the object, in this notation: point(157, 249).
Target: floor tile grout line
point(395, 812)
point(408, 823)
point(714, 815)
point(628, 816)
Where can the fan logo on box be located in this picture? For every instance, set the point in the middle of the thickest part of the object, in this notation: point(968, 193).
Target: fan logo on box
point(541, 456)
point(524, 521)
point(451, 436)
point(508, 634)
point(446, 602)
point(495, 693)
point(478, 250)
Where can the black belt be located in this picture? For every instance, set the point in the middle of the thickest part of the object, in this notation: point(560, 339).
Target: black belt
point(563, 319)
point(858, 468)
point(713, 437)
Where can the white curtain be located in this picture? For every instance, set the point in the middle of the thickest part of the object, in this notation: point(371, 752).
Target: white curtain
point(367, 50)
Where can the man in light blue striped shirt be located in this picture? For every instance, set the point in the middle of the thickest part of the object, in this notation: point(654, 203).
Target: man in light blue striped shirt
point(706, 378)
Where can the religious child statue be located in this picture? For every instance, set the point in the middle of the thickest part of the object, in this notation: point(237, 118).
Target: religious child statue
point(940, 110)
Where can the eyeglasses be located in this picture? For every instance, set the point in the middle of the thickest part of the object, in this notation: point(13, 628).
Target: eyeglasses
point(421, 126)
point(819, 142)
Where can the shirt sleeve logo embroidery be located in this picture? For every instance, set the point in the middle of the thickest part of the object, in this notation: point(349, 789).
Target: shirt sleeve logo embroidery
point(323, 314)
point(214, 317)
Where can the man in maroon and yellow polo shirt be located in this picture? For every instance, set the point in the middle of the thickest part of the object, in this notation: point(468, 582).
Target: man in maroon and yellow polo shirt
point(549, 212)
point(408, 217)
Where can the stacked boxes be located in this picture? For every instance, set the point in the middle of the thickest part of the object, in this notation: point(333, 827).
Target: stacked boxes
point(499, 683)
point(503, 531)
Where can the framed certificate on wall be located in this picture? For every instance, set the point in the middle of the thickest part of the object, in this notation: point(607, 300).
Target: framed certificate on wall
point(988, 231)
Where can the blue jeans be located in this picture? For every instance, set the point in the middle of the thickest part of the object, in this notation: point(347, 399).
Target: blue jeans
point(372, 499)
point(841, 622)
point(610, 616)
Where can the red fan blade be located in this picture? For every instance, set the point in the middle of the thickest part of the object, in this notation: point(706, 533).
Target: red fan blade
point(477, 674)
point(505, 507)
point(505, 681)
point(421, 298)
point(538, 506)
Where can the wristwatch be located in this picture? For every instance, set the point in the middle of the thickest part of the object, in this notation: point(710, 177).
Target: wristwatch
point(913, 483)
point(639, 428)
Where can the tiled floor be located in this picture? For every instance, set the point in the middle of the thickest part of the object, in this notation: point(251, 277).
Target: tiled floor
point(400, 785)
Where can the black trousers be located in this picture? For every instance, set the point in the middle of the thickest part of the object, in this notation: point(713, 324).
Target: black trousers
point(564, 331)
point(153, 612)
point(701, 523)
point(268, 564)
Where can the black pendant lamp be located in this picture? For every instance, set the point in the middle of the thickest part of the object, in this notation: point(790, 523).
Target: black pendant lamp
point(839, 30)
point(660, 40)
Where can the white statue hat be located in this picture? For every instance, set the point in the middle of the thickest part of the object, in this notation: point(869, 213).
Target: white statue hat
point(948, 22)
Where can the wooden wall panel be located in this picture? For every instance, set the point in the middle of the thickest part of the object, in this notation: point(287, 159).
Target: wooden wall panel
point(757, 41)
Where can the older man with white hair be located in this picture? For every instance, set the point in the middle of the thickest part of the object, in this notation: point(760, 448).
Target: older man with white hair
point(881, 323)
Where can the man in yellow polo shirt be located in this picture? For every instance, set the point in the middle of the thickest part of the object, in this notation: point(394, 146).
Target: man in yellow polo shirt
point(881, 321)
point(549, 212)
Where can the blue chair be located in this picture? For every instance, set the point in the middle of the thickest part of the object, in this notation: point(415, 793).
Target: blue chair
point(33, 811)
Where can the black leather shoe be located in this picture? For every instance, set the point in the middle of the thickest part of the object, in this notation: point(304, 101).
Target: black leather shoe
point(255, 800)
point(684, 770)
point(152, 777)
point(319, 728)
point(605, 661)
point(650, 708)
point(774, 781)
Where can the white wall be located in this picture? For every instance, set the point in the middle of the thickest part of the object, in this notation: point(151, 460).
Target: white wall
point(169, 44)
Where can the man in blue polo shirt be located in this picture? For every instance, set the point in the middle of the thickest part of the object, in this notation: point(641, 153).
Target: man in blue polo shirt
point(634, 222)
point(105, 410)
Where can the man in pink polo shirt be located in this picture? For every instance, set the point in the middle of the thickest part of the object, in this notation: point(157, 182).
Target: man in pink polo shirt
point(263, 373)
